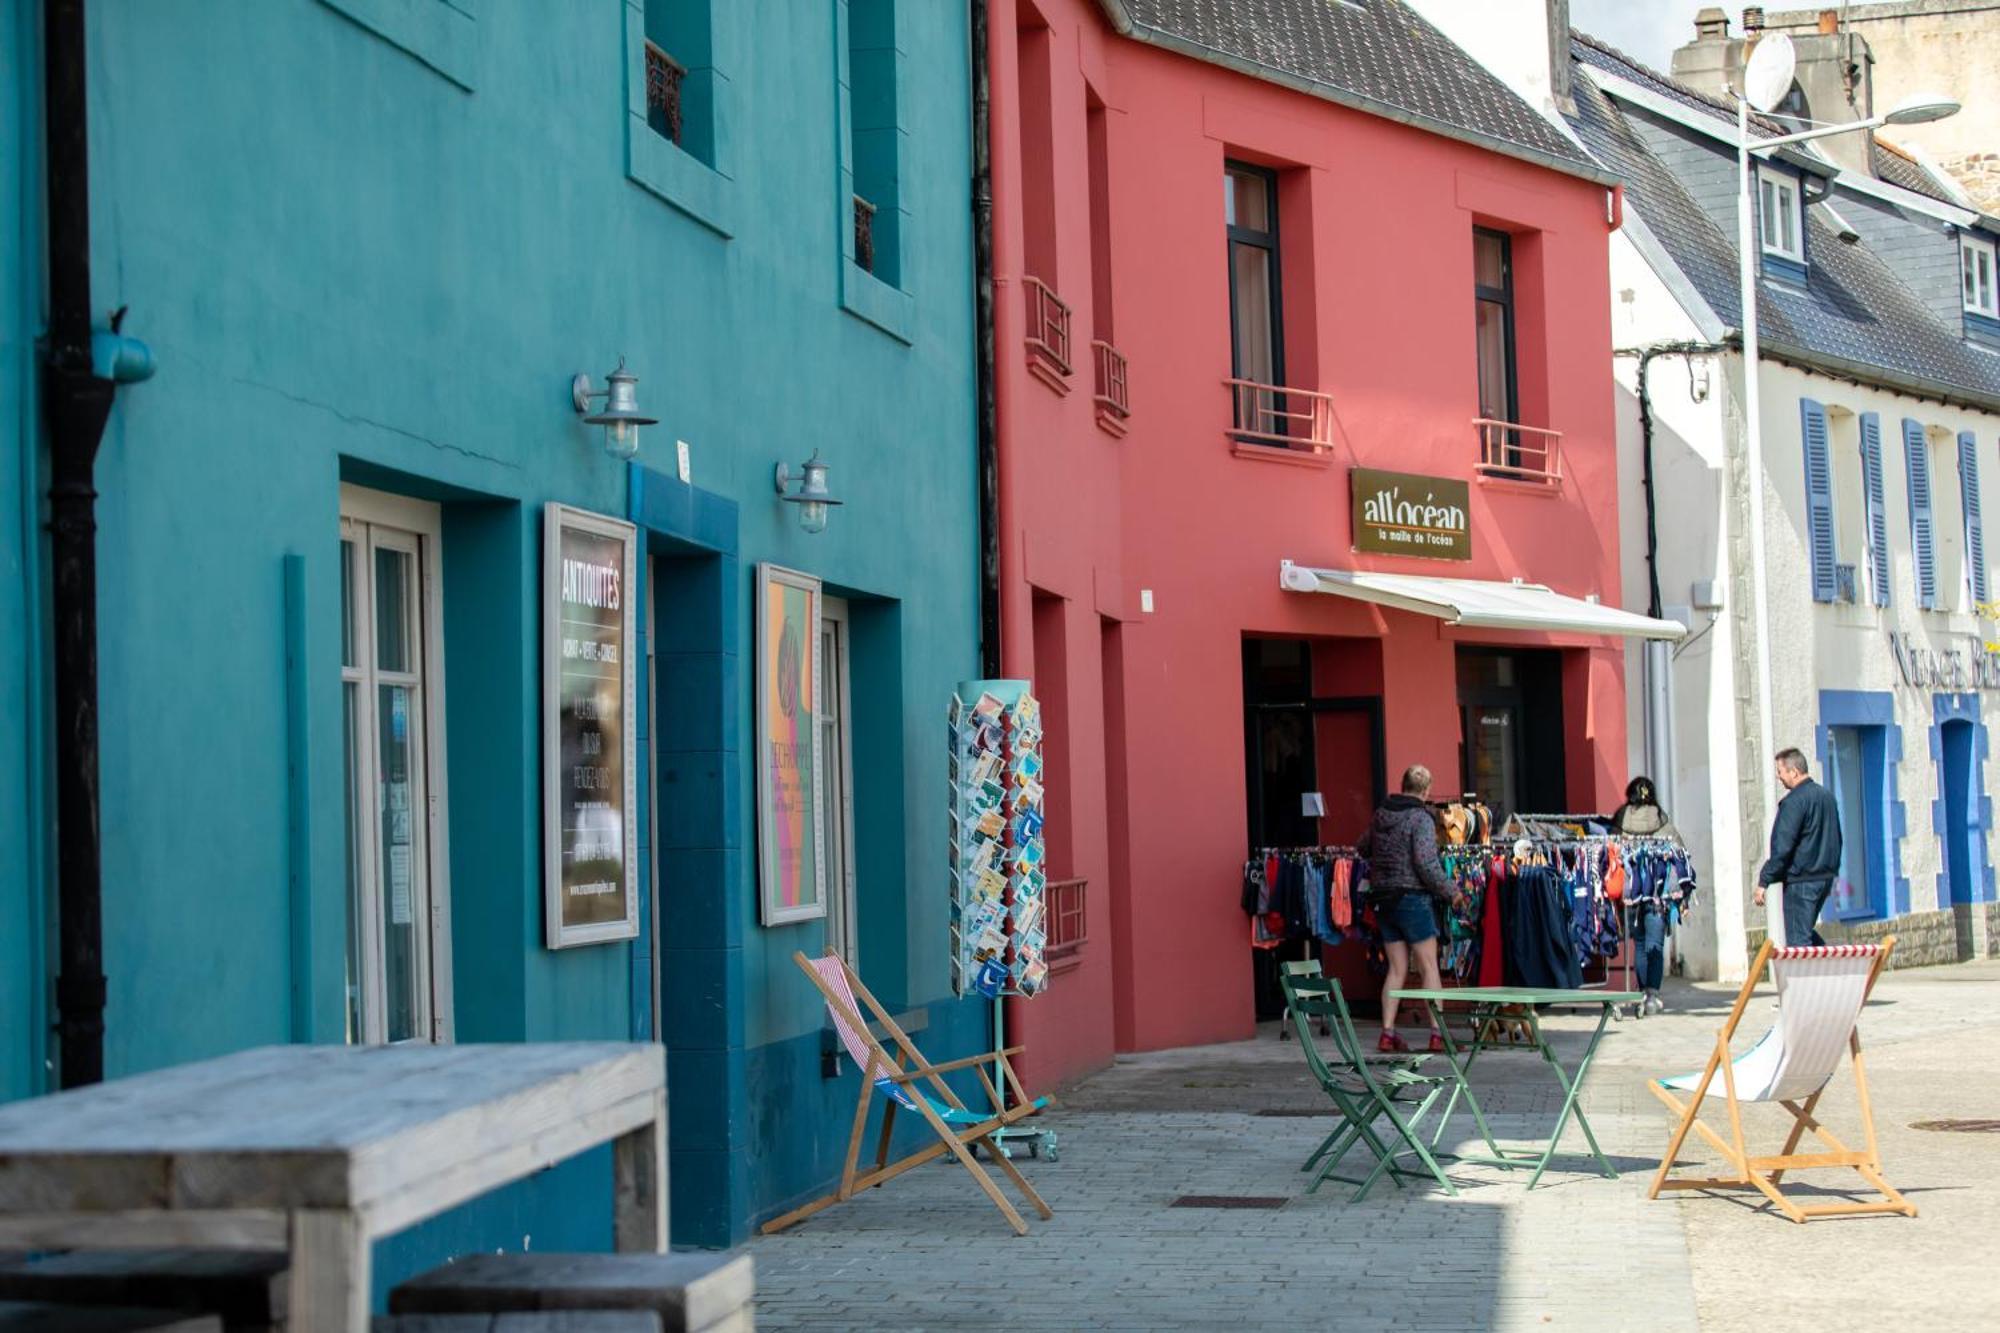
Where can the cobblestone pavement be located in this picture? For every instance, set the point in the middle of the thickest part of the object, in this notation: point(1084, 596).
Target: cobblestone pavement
point(1580, 1252)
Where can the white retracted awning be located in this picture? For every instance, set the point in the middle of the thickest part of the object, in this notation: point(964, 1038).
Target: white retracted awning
point(1480, 603)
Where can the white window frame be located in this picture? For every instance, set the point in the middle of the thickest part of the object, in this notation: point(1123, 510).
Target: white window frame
point(843, 934)
point(1974, 256)
point(372, 521)
point(1783, 208)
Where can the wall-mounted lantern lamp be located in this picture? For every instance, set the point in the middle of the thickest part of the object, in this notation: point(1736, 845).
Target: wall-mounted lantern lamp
point(811, 496)
point(620, 415)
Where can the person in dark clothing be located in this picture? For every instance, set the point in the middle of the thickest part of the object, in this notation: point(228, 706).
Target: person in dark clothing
point(1805, 850)
point(1404, 876)
point(1641, 816)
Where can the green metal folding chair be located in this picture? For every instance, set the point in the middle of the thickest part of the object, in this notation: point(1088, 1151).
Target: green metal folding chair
point(1380, 1100)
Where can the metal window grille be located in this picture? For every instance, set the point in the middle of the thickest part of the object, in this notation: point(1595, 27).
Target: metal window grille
point(664, 76)
point(864, 234)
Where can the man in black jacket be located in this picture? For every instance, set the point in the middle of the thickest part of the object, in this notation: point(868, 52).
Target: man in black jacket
point(1805, 850)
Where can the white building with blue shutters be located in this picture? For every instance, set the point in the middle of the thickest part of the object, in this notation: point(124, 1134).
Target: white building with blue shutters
point(1879, 389)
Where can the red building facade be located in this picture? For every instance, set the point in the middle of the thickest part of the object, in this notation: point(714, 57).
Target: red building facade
point(1226, 283)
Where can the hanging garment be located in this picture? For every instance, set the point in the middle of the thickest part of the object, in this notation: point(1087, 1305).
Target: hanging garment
point(1539, 932)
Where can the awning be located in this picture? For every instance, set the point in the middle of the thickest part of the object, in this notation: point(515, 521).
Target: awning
point(1479, 603)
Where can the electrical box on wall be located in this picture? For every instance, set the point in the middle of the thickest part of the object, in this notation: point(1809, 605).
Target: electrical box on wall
point(1707, 595)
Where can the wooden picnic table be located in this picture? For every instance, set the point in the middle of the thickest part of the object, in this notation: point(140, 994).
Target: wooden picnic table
point(319, 1150)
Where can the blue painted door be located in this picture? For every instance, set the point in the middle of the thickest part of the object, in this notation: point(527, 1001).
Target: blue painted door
point(1955, 783)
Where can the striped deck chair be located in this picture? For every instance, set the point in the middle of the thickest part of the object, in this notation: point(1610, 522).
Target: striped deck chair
point(956, 1126)
point(1820, 995)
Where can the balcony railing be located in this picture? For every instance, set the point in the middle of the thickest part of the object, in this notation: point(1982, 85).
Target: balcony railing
point(864, 234)
point(1514, 452)
point(663, 92)
point(1048, 333)
point(1114, 395)
point(1275, 416)
point(1066, 919)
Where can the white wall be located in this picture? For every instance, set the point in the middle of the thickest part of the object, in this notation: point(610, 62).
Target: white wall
point(1819, 646)
point(1690, 402)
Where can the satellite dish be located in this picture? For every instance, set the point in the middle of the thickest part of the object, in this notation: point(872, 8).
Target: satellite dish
point(1768, 76)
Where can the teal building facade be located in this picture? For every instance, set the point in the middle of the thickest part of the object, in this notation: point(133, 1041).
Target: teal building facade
point(370, 242)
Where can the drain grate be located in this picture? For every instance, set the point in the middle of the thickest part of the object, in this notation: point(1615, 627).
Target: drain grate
point(1959, 1126)
point(1290, 1112)
point(1228, 1201)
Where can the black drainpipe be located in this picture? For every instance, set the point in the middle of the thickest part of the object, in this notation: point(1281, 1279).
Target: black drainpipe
point(78, 404)
point(1646, 356)
point(989, 415)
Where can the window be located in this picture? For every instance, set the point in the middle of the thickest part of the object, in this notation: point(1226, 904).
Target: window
point(1980, 294)
point(1038, 182)
point(1097, 144)
point(1256, 329)
point(1877, 507)
point(398, 940)
point(842, 926)
point(1975, 526)
point(1780, 224)
point(873, 137)
point(1923, 536)
point(1493, 310)
point(1821, 549)
point(680, 75)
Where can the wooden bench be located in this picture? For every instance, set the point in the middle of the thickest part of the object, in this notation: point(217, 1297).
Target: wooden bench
point(554, 1321)
point(40, 1317)
point(686, 1293)
point(245, 1289)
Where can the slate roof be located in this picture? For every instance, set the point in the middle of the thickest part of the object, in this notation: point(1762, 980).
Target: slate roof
point(1378, 56)
point(1897, 168)
point(1855, 316)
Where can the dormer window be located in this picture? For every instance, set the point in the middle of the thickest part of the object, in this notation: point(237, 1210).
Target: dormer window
point(1781, 229)
point(1979, 291)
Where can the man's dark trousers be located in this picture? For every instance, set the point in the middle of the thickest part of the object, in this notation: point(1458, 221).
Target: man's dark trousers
point(1802, 906)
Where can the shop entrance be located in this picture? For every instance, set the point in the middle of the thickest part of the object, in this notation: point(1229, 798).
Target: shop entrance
point(1314, 759)
point(1511, 729)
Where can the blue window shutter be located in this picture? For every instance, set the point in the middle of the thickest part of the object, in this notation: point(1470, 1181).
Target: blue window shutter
point(1923, 542)
point(1878, 509)
point(1975, 535)
point(1819, 501)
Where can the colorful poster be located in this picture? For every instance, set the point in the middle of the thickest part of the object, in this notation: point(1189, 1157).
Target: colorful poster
point(790, 787)
point(590, 780)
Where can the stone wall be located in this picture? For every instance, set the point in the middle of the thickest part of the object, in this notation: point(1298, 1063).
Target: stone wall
point(1979, 175)
point(1922, 938)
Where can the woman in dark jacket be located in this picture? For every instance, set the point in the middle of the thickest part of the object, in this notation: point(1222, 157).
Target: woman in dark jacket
point(1641, 816)
point(1404, 876)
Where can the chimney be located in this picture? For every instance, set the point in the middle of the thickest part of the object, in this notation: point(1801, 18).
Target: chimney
point(1711, 25)
point(1829, 22)
point(1753, 20)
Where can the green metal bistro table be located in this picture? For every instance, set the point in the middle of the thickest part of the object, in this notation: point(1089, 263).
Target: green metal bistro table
point(1492, 1008)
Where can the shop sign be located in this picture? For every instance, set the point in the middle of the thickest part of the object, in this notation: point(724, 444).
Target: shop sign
point(1976, 667)
point(1399, 514)
point(589, 774)
point(790, 790)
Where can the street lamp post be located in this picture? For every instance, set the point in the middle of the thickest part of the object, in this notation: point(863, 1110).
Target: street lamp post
point(1912, 111)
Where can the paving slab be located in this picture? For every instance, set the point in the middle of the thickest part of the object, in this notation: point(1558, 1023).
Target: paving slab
point(1580, 1252)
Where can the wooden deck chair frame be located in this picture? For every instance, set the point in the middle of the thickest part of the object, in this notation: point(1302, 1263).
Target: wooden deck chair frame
point(1765, 1173)
point(882, 1064)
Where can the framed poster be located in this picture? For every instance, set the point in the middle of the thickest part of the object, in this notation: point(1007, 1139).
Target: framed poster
point(590, 804)
point(791, 804)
